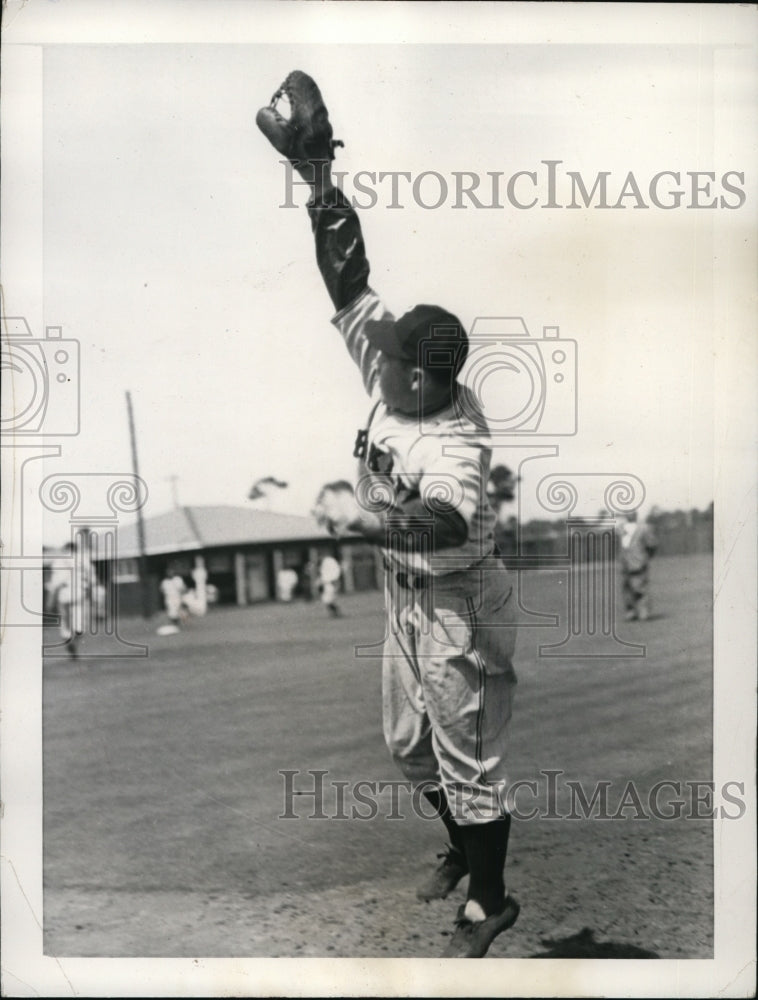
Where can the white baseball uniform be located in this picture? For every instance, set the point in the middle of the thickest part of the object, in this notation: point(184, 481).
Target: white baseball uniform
point(448, 676)
point(330, 572)
point(73, 583)
point(173, 589)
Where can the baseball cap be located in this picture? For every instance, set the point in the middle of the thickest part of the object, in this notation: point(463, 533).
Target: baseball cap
point(428, 336)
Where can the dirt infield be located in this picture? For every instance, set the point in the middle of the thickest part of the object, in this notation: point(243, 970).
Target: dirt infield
point(164, 792)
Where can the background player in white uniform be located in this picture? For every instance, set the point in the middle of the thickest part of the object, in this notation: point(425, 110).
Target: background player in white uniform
point(173, 589)
point(74, 594)
point(329, 575)
point(447, 675)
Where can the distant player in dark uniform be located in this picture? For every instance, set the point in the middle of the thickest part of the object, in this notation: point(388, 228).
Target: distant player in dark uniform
point(637, 546)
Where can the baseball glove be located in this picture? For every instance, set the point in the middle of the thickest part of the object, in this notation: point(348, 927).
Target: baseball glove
point(305, 137)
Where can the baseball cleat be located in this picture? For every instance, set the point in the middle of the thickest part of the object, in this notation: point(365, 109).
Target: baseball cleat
point(472, 938)
point(445, 876)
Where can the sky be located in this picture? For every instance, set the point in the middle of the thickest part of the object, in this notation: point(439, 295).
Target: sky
point(169, 257)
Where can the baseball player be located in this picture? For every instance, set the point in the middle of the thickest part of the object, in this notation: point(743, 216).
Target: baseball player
point(173, 589)
point(424, 460)
point(73, 592)
point(329, 575)
point(638, 545)
point(286, 582)
point(199, 604)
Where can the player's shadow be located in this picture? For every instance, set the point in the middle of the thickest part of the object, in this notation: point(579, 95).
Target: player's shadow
point(584, 945)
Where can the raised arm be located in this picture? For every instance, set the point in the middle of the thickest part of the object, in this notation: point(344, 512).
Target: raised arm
point(305, 138)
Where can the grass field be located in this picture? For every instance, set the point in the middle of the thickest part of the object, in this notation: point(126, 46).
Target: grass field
point(163, 792)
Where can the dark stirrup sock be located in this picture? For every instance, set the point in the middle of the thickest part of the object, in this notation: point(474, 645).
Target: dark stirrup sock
point(486, 846)
point(438, 799)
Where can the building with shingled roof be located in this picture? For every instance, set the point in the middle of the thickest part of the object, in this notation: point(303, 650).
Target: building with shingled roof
point(243, 550)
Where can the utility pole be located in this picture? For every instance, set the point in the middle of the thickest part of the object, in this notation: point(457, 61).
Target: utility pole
point(174, 480)
point(145, 594)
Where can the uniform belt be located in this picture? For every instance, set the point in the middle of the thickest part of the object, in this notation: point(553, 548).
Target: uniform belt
point(418, 581)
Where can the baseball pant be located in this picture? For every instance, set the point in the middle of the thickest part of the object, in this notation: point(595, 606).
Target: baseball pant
point(448, 685)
